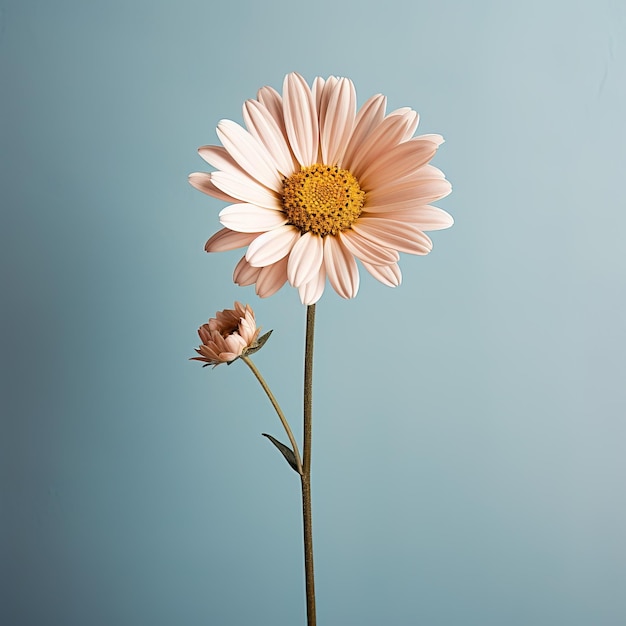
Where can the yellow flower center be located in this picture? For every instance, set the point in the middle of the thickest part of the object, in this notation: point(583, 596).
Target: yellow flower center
point(323, 199)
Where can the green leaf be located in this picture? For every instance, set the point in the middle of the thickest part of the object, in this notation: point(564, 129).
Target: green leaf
point(260, 342)
point(286, 451)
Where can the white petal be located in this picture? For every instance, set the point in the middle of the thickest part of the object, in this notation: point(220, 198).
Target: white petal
point(389, 275)
point(226, 239)
point(219, 158)
point(272, 246)
point(337, 121)
point(252, 156)
point(341, 268)
point(312, 291)
point(262, 125)
point(248, 218)
point(271, 278)
point(366, 251)
point(300, 119)
point(305, 259)
point(246, 189)
point(370, 115)
point(245, 274)
point(392, 234)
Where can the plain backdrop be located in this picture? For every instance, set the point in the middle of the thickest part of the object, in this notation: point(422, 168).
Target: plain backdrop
point(469, 427)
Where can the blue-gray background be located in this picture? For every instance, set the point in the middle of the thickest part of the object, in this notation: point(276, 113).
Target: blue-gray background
point(470, 425)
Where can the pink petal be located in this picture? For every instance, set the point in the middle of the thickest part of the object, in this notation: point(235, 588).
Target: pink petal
point(366, 251)
point(312, 291)
point(337, 121)
point(399, 162)
point(438, 139)
point(370, 115)
point(428, 172)
point(271, 100)
point(318, 90)
point(227, 239)
point(341, 268)
point(235, 343)
point(246, 189)
point(252, 156)
point(389, 275)
point(248, 218)
point(245, 274)
point(202, 182)
point(393, 234)
point(383, 138)
point(411, 120)
point(300, 119)
point(264, 128)
point(272, 246)
point(305, 259)
point(423, 217)
point(272, 278)
point(409, 192)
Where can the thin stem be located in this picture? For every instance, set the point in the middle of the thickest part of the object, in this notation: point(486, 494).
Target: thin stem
point(281, 415)
point(306, 473)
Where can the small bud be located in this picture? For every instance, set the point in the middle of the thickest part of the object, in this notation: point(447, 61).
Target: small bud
point(232, 333)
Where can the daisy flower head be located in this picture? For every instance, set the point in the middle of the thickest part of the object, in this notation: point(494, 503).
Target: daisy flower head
point(232, 333)
point(313, 185)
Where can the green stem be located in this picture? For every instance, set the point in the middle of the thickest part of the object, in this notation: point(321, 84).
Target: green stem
point(306, 467)
point(278, 410)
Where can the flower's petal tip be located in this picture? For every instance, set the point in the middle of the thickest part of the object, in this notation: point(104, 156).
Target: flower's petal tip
point(351, 295)
point(203, 181)
point(446, 220)
point(226, 239)
point(291, 76)
point(312, 291)
point(309, 300)
point(434, 137)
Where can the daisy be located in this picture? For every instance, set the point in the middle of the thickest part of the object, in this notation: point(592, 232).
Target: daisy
point(232, 333)
point(313, 185)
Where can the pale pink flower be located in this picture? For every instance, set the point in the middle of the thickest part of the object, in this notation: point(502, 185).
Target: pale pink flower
point(314, 185)
point(227, 336)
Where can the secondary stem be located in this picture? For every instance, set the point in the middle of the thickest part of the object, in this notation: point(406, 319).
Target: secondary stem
point(306, 467)
point(278, 410)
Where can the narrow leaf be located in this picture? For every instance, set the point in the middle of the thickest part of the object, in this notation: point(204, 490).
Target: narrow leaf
point(260, 342)
point(286, 451)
